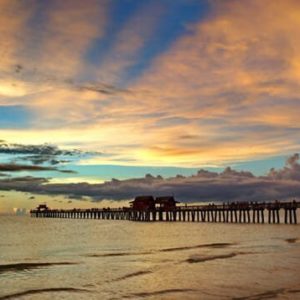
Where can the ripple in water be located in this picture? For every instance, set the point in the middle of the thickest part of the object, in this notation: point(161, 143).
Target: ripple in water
point(42, 291)
point(29, 266)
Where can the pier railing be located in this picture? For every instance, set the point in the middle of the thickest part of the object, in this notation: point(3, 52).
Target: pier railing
point(238, 212)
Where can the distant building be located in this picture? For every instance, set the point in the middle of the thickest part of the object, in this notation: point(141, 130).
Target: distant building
point(166, 202)
point(42, 207)
point(143, 203)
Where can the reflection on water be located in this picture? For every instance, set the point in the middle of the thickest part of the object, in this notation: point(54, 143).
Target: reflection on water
point(102, 259)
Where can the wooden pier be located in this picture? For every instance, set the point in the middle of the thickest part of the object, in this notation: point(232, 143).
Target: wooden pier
point(271, 212)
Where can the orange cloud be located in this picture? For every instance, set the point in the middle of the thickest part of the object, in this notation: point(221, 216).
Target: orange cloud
point(227, 90)
point(229, 53)
point(71, 27)
point(14, 15)
point(239, 68)
point(49, 55)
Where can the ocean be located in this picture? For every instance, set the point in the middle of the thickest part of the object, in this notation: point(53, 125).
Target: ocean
point(110, 259)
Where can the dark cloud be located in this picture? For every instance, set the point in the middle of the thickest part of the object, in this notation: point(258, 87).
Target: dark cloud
point(41, 77)
point(228, 172)
point(18, 68)
point(40, 154)
point(76, 197)
point(103, 88)
point(291, 171)
point(67, 171)
point(189, 137)
point(12, 167)
point(229, 185)
point(27, 183)
point(44, 149)
point(15, 168)
point(43, 158)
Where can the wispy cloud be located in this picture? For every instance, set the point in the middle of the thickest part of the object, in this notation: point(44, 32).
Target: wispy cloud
point(71, 28)
point(45, 46)
point(130, 41)
point(12, 30)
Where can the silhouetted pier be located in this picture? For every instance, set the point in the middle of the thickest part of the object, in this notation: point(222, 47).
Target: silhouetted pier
point(271, 212)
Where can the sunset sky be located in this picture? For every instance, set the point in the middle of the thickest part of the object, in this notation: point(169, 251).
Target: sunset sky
point(124, 88)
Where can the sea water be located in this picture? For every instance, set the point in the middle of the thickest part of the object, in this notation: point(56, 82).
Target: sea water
point(111, 259)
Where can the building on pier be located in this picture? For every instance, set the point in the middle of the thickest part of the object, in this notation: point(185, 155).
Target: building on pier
point(166, 203)
point(142, 203)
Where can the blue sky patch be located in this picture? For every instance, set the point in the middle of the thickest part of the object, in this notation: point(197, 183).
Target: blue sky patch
point(16, 116)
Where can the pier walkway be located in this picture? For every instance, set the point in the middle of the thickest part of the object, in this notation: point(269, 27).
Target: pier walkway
point(270, 212)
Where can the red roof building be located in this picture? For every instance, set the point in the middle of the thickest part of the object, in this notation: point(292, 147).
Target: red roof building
point(143, 203)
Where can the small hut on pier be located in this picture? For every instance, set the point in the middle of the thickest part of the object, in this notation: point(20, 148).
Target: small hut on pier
point(166, 202)
point(42, 207)
point(143, 203)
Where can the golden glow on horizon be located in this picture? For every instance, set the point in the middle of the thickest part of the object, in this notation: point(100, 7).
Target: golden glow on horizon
point(80, 179)
point(21, 201)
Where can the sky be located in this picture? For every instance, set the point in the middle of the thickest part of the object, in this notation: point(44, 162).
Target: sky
point(149, 90)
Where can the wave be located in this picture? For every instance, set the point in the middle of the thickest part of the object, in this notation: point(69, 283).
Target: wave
point(135, 274)
point(117, 254)
point(267, 295)
point(41, 291)
point(198, 258)
point(160, 292)
point(213, 245)
point(29, 266)
point(291, 240)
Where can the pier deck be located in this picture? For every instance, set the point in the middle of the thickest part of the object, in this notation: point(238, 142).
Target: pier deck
point(271, 212)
